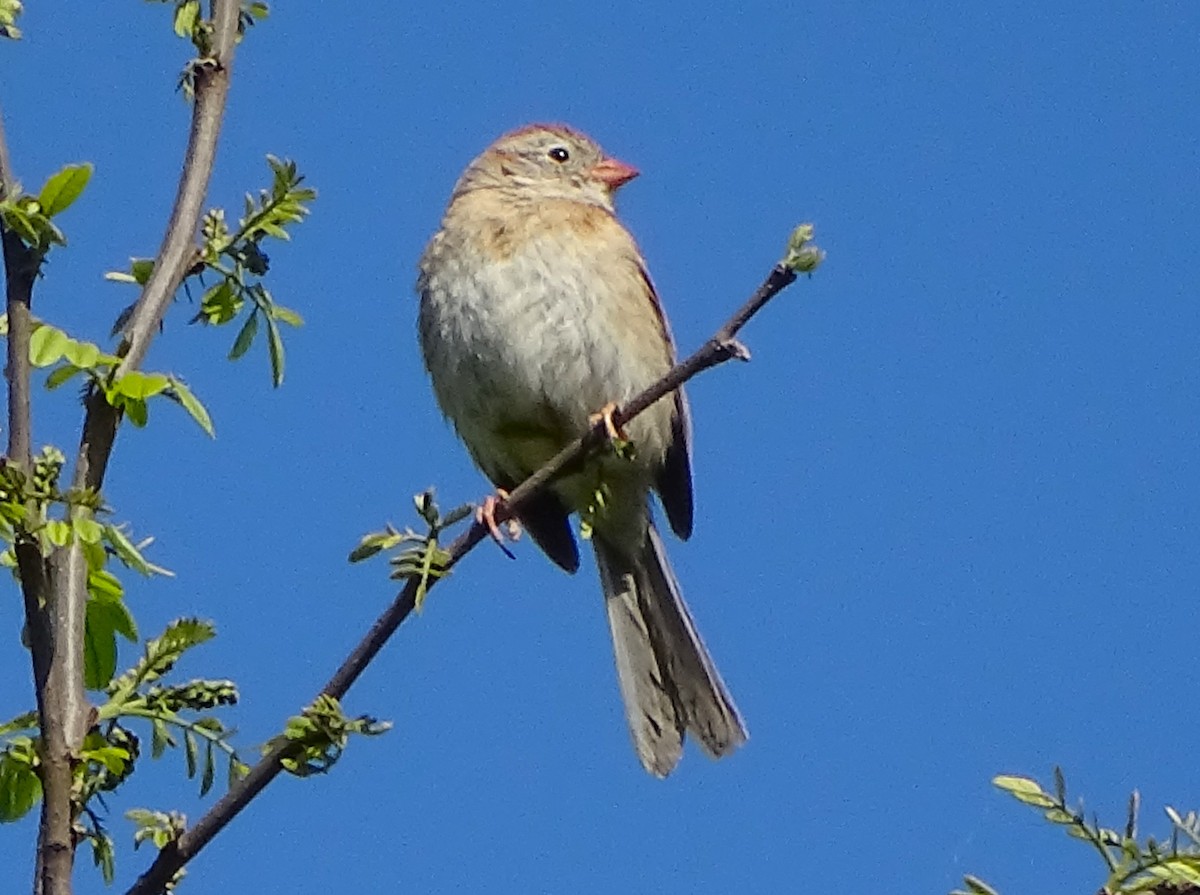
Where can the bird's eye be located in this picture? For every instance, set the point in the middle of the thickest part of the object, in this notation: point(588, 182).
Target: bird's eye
point(559, 154)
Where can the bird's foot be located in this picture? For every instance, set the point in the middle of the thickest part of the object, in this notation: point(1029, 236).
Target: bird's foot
point(486, 513)
point(605, 415)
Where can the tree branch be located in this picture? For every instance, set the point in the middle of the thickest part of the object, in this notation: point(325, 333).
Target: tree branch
point(720, 348)
point(20, 271)
point(52, 867)
point(178, 247)
point(170, 267)
point(55, 592)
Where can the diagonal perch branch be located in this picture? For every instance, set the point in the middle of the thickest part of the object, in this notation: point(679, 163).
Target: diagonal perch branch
point(801, 257)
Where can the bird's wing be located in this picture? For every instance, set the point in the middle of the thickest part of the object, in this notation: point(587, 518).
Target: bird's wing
point(674, 480)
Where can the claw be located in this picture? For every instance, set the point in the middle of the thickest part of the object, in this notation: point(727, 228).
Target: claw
point(486, 513)
point(615, 432)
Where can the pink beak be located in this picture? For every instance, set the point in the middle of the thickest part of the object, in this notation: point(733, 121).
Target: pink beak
point(613, 173)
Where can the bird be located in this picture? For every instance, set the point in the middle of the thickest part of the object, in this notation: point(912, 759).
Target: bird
point(536, 314)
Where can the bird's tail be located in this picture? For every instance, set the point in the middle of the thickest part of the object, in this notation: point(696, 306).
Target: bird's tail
point(668, 680)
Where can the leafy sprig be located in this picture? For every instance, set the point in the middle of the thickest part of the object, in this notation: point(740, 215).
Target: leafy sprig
point(427, 560)
point(137, 694)
point(9, 10)
point(316, 738)
point(159, 828)
point(1135, 866)
point(26, 503)
point(50, 347)
point(177, 713)
point(189, 23)
point(236, 257)
point(29, 216)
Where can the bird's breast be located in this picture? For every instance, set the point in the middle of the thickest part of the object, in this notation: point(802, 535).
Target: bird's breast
point(528, 328)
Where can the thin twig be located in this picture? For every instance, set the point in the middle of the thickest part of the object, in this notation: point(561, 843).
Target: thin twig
point(177, 252)
point(720, 348)
point(8, 177)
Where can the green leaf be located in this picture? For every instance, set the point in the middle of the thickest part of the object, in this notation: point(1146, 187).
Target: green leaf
point(136, 411)
point(142, 817)
point(141, 268)
point(138, 385)
point(20, 221)
point(50, 235)
point(114, 758)
point(244, 337)
point(84, 355)
point(186, 16)
point(104, 585)
point(27, 721)
point(62, 375)
point(130, 554)
point(58, 532)
point(182, 395)
point(103, 856)
point(117, 616)
point(1180, 869)
point(1025, 789)
point(63, 188)
point(156, 826)
point(9, 10)
point(275, 349)
point(318, 736)
point(976, 886)
point(160, 738)
point(377, 541)
point(125, 549)
point(100, 643)
point(20, 788)
point(286, 315)
point(219, 304)
point(139, 272)
point(190, 752)
point(164, 651)
point(47, 345)
point(801, 256)
point(206, 781)
point(88, 530)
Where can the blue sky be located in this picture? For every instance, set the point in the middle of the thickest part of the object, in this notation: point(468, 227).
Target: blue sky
point(947, 518)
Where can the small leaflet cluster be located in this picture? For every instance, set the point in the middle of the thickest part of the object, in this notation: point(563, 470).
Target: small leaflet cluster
point(1134, 866)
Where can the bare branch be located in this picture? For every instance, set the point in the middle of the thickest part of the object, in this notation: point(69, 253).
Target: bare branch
point(177, 252)
point(8, 178)
point(717, 350)
point(20, 272)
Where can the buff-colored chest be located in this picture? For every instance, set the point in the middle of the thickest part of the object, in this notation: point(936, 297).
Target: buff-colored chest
point(530, 322)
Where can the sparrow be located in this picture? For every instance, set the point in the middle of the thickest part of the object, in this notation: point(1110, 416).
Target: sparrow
point(536, 314)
